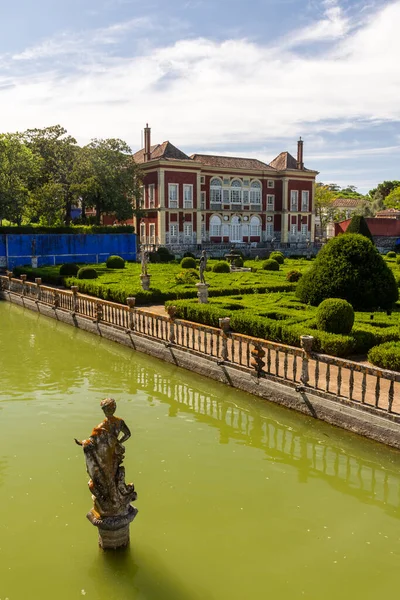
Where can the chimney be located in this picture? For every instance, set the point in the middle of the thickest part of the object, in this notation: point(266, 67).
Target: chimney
point(300, 163)
point(147, 143)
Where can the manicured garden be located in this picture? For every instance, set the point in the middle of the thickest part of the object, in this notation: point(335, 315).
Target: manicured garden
point(278, 303)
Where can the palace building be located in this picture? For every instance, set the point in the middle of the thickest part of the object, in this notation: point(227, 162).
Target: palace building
point(205, 199)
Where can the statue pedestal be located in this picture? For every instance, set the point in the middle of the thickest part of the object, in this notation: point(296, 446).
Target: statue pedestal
point(202, 292)
point(145, 281)
point(113, 531)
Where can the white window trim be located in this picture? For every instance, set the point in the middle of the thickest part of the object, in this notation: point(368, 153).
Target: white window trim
point(305, 204)
point(188, 229)
point(173, 226)
point(202, 179)
point(202, 200)
point(271, 205)
point(304, 229)
point(294, 200)
point(173, 203)
point(270, 183)
point(152, 233)
point(186, 203)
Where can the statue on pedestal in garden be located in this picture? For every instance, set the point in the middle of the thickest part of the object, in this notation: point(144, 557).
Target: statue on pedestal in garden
point(104, 453)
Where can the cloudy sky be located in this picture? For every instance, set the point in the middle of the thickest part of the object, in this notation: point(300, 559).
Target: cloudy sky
point(222, 76)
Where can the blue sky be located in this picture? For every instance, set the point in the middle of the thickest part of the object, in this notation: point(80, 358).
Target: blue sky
point(221, 76)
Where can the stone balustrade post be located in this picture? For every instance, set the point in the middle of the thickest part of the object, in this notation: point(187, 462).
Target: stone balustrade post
point(38, 281)
point(99, 312)
point(171, 310)
point(306, 342)
point(74, 290)
point(131, 301)
point(257, 361)
point(23, 279)
point(9, 275)
point(224, 324)
point(56, 300)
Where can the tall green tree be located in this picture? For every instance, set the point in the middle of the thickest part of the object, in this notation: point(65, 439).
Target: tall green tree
point(108, 180)
point(59, 153)
point(19, 168)
point(383, 189)
point(392, 200)
point(324, 209)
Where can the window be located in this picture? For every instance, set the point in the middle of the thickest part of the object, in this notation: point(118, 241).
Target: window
point(226, 196)
point(215, 191)
point(293, 229)
point(294, 200)
point(236, 192)
point(271, 183)
point(202, 201)
point(143, 233)
point(202, 179)
point(255, 227)
point(255, 192)
point(187, 229)
point(173, 230)
point(215, 226)
point(187, 196)
point(152, 231)
point(304, 201)
point(270, 230)
point(270, 201)
point(203, 232)
point(173, 195)
point(151, 195)
point(245, 194)
point(304, 230)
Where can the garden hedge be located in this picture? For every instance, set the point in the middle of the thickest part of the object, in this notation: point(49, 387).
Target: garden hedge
point(69, 270)
point(188, 262)
point(335, 315)
point(115, 262)
point(386, 356)
point(270, 265)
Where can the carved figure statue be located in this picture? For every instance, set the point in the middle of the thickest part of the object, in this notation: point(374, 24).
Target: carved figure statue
point(144, 259)
point(202, 266)
point(104, 454)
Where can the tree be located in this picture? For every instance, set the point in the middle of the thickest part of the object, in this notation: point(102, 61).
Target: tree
point(46, 204)
point(108, 179)
point(18, 170)
point(349, 267)
point(392, 200)
point(59, 153)
point(383, 189)
point(359, 225)
point(324, 210)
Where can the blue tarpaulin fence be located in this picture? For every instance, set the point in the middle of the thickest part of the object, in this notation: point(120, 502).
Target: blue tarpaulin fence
point(54, 249)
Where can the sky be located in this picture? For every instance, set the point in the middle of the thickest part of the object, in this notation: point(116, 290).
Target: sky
point(228, 77)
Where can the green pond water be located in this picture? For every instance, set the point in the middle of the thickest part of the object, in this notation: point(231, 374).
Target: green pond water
point(237, 498)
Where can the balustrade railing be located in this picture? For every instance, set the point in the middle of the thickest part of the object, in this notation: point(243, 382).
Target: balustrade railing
point(376, 390)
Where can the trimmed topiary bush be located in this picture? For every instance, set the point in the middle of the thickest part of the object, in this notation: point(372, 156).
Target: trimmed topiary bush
point(293, 276)
point(221, 267)
point(189, 254)
point(87, 273)
point(349, 267)
point(335, 315)
point(270, 265)
point(115, 262)
point(188, 263)
point(358, 224)
point(398, 260)
point(69, 270)
point(278, 256)
point(386, 356)
point(391, 254)
point(238, 262)
point(186, 277)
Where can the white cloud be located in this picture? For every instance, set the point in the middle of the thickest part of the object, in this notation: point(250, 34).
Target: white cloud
point(201, 93)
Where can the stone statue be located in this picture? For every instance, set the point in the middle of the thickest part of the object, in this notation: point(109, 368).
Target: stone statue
point(104, 453)
point(144, 259)
point(202, 266)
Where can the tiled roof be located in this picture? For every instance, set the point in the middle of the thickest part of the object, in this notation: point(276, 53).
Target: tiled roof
point(284, 161)
point(166, 151)
point(230, 162)
point(346, 202)
point(388, 212)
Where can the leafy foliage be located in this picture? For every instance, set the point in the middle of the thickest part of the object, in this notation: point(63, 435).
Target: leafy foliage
point(161, 255)
point(115, 262)
point(221, 267)
point(87, 273)
point(278, 256)
point(335, 316)
point(359, 225)
point(386, 356)
point(188, 263)
point(391, 254)
point(270, 265)
point(187, 277)
point(293, 275)
point(69, 270)
point(349, 267)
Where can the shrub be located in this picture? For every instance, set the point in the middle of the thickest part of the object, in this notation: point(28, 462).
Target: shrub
point(278, 256)
point(398, 260)
point(69, 270)
point(87, 273)
point(335, 315)
point(115, 262)
point(189, 254)
point(391, 254)
point(238, 262)
point(349, 267)
point(189, 276)
point(163, 255)
point(221, 267)
point(358, 224)
point(188, 263)
point(386, 356)
point(270, 265)
point(293, 276)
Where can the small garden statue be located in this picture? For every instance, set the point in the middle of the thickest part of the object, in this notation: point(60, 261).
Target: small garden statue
point(202, 266)
point(144, 259)
point(104, 453)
